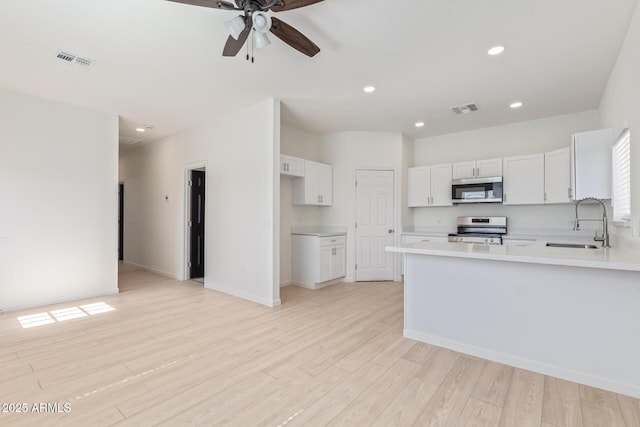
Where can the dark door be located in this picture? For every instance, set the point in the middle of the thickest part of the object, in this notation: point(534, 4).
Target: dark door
point(121, 222)
point(196, 262)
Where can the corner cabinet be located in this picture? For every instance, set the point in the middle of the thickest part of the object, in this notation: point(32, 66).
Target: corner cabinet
point(430, 186)
point(523, 180)
point(292, 166)
point(317, 261)
point(591, 164)
point(316, 187)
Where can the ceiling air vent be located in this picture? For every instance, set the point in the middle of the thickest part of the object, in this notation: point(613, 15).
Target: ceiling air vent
point(465, 109)
point(73, 59)
point(129, 141)
point(66, 56)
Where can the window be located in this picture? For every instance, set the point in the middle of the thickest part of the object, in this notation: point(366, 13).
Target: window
point(621, 167)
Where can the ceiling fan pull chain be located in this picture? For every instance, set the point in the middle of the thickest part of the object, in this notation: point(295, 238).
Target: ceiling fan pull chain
point(252, 44)
point(248, 50)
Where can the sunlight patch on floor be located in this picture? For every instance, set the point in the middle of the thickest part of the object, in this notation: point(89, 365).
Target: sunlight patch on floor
point(45, 318)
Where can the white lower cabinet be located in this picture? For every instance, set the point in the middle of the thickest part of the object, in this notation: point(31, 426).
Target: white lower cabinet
point(316, 260)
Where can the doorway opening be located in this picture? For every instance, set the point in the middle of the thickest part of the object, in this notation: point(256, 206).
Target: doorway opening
point(375, 196)
point(196, 224)
point(121, 221)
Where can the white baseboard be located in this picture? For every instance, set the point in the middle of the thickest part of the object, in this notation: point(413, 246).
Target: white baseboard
point(318, 285)
point(252, 298)
point(530, 365)
point(287, 283)
point(152, 270)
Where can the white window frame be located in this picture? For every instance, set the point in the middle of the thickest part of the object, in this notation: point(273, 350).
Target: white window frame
point(621, 179)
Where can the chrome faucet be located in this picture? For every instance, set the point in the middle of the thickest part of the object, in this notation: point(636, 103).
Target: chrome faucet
point(604, 238)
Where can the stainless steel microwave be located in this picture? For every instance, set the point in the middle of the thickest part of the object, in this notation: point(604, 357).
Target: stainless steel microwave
point(477, 190)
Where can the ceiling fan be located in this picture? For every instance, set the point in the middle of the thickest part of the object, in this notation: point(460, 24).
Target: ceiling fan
point(255, 18)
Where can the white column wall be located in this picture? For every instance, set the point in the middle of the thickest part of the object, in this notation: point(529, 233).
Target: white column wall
point(59, 202)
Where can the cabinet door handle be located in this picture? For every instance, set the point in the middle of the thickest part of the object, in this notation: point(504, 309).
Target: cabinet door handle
point(569, 193)
point(389, 231)
point(504, 197)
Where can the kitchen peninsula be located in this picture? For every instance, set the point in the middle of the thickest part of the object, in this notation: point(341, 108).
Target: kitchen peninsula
point(567, 312)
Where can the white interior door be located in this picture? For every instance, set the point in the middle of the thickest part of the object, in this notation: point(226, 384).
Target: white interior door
point(374, 222)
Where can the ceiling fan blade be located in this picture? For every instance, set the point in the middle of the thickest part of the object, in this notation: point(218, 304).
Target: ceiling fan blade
point(216, 4)
point(293, 37)
point(293, 4)
point(233, 46)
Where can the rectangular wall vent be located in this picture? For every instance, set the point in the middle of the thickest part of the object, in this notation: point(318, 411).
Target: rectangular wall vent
point(73, 59)
point(465, 109)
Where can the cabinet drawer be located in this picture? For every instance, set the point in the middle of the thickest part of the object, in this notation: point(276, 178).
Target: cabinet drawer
point(332, 240)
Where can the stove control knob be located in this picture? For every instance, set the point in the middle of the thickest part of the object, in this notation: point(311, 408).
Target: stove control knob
point(486, 241)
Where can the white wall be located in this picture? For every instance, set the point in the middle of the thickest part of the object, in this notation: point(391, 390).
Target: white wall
point(241, 154)
point(620, 103)
point(348, 152)
point(305, 145)
point(535, 136)
point(59, 198)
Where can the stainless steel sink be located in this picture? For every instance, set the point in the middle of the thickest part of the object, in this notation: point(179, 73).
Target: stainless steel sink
point(572, 245)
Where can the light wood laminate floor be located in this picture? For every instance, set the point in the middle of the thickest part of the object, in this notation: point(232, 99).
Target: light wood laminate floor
point(173, 353)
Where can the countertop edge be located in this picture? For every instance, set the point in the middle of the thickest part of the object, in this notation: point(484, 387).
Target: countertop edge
point(530, 259)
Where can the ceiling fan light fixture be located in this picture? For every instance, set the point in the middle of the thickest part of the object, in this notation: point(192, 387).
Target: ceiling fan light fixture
point(261, 22)
point(235, 26)
point(262, 40)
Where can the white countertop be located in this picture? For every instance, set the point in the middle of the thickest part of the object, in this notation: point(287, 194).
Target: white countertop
point(624, 255)
point(320, 231)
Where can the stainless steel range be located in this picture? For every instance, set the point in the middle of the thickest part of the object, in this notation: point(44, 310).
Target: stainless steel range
point(487, 230)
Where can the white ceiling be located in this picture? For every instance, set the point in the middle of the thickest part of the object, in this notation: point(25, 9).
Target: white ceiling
point(160, 63)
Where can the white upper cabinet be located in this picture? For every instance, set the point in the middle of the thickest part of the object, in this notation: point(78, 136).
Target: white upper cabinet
point(464, 170)
point(441, 185)
point(430, 186)
point(316, 187)
point(290, 165)
point(557, 173)
point(524, 180)
point(489, 167)
point(477, 168)
point(591, 164)
point(419, 186)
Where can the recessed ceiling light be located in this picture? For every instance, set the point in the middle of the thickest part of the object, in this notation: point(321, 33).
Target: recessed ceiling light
point(140, 129)
point(516, 104)
point(419, 124)
point(369, 89)
point(496, 50)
